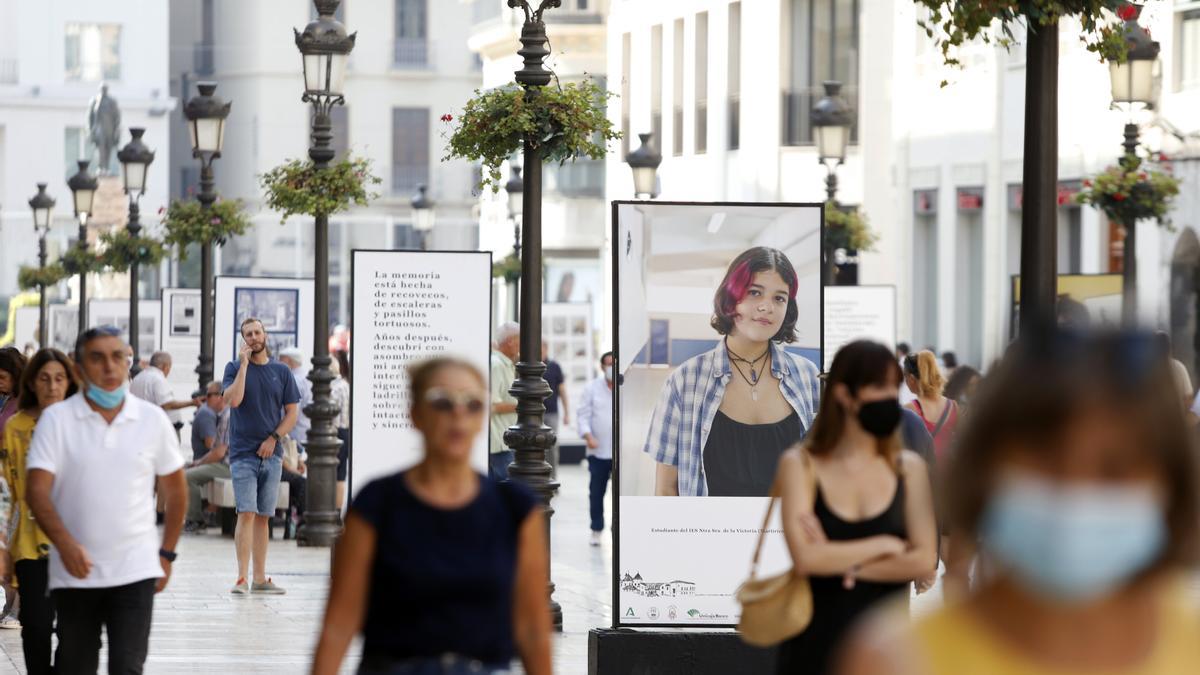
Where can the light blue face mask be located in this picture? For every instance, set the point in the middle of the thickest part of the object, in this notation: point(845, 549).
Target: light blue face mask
point(1073, 543)
point(107, 399)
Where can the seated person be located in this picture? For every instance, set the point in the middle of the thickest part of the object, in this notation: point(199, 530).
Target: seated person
point(210, 447)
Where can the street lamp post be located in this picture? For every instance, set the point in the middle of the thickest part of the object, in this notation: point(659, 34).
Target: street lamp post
point(515, 187)
point(135, 160)
point(831, 119)
point(83, 192)
point(644, 163)
point(1039, 181)
point(423, 216)
point(1132, 83)
point(206, 115)
point(324, 48)
point(530, 438)
point(43, 208)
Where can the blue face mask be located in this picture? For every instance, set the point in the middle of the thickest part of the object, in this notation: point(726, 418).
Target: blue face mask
point(1073, 543)
point(106, 399)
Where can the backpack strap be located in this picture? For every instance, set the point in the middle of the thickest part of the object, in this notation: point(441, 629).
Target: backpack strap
point(945, 417)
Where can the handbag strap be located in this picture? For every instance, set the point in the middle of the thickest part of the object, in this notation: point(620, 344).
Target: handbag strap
point(774, 495)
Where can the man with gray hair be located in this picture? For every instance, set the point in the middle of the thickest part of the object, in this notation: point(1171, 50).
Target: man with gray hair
point(504, 405)
point(293, 358)
point(151, 385)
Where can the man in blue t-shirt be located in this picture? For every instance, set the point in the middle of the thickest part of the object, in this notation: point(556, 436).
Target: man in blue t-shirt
point(263, 397)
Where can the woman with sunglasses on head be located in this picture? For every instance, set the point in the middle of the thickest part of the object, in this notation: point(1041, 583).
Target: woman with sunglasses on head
point(1082, 494)
point(857, 511)
point(925, 381)
point(48, 379)
point(724, 417)
point(442, 570)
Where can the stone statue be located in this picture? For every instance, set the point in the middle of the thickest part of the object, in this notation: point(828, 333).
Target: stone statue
point(104, 128)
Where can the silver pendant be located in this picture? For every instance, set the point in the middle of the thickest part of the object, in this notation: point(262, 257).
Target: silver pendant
point(754, 393)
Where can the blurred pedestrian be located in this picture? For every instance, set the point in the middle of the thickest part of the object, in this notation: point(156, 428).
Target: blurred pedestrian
point(151, 385)
point(504, 404)
point(857, 510)
point(264, 398)
point(902, 351)
point(1083, 490)
point(210, 453)
point(293, 358)
point(340, 391)
point(961, 386)
point(923, 378)
point(1180, 377)
point(557, 413)
point(93, 465)
point(12, 363)
point(596, 428)
point(48, 379)
point(465, 554)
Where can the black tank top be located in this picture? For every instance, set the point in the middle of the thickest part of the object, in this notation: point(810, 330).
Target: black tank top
point(740, 459)
point(836, 609)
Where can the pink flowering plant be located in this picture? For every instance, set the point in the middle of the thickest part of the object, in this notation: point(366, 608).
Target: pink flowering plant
point(1132, 190)
point(298, 187)
point(954, 23)
point(565, 122)
point(187, 222)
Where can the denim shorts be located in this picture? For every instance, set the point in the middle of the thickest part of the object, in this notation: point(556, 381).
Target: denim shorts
point(256, 483)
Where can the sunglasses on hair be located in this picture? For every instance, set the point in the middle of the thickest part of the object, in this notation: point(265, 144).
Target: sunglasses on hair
point(445, 402)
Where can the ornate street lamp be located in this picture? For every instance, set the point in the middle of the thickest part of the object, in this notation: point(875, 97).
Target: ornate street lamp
point(324, 47)
point(831, 121)
point(1133, 86)
point(135, 160)
point(423, 216)
point(515, 188)
point(530, 438)
point(83, 191)
point(644, 163)
point(206, 115)
point(43, 208)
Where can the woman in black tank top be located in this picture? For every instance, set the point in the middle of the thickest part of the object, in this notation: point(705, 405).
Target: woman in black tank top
point(857, 510)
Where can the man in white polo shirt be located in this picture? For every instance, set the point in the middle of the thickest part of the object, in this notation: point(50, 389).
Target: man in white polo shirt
point(151, 385)
point(92, 470)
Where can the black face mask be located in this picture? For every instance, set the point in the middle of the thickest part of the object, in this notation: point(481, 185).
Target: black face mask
point(880, 418)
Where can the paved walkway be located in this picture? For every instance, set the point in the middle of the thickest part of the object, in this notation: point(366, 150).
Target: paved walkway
point(200, 628)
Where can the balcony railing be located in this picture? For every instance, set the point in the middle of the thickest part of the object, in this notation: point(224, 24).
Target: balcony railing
point(406, 178)
point(8, 71)
point(412, 53)
point(582, 178)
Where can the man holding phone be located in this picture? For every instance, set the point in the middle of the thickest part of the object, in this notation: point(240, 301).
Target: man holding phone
point(263, 398)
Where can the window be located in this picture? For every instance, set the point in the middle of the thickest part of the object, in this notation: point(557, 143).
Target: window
point(93, 52)
point(410, 149)
point(411, 47)
point(626, 56)
point(74, 149)
point(1189, 49)
point(823, 39)
point(340, 117)
point(656, 85)
point(677, 102)
point(735, 76)
point(701, 75)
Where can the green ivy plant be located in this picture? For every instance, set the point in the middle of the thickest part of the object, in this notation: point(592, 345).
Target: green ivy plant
point(954, 23)
point(32, 278)
point(507, 268)
point(298, 187)
point(187, 222)
point(1132, 190)
point(847, 230)
point(123, 250)
point(82, 261)
point(565, 122)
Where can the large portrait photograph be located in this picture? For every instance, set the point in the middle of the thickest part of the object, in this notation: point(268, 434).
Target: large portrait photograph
point(719, 341)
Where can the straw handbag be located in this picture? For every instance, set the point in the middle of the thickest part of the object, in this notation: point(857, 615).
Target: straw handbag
point(775, 608)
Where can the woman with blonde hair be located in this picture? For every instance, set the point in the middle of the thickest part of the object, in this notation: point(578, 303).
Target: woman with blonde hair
point(925, 381)
point(857, 511)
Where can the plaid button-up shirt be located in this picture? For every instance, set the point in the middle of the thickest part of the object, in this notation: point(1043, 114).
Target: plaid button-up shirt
point(691, 396)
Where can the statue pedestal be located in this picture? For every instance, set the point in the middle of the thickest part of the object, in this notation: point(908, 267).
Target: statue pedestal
point(110, 210)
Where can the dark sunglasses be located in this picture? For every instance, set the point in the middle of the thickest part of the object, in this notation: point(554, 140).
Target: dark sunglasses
point(445, 402)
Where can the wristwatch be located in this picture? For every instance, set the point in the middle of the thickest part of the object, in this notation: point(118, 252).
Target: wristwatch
point(169, 556)
point(276, 437)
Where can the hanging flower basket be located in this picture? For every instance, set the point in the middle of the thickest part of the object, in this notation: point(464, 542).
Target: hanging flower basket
point(187, 222)
point(954, 23)
point(566, 122)
point(77, 261)
point(123, 250)
point(32, 278)
point(507, 268)
point(298, 187)
point(1130, 191)
point(847, 230)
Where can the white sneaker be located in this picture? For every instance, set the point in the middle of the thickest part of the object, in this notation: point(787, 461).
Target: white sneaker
point(595, 538)
point(9, 622)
